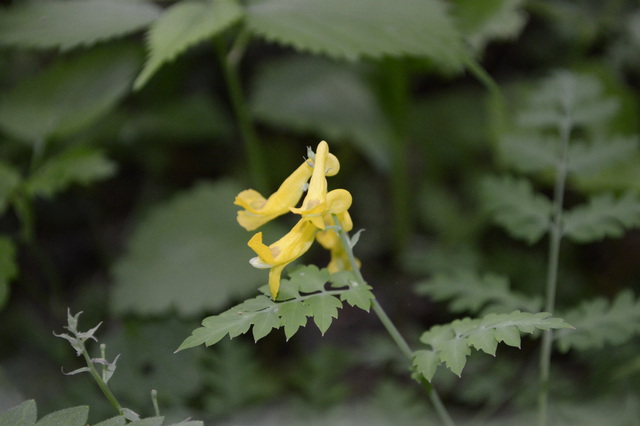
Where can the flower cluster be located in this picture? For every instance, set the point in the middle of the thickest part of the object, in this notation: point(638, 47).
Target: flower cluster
point(316, 216)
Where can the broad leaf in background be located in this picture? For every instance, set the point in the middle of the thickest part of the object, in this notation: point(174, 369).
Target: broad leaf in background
point(516, 207)
point(8, 267)
point(469, 291)
point(75, 165)
point(316, 95)
point(25, 414)
point(603, 216)
point(452, 343)
point(598, 323)
point(182, 26)
point(72, 23)
point(361, 28)
point(483, 21)
point(188, 254)
point(69, 95)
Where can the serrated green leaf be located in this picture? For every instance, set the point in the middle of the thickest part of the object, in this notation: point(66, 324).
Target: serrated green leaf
point(454, 354)
point(311, 94)
point(324, 308)
point(76, 165)
point(598, 323)
point(309, 279)
point(293, 315)
point(9, 181)
point(467, 290)
point(484, 339)
point(187, 254)
point(357, 28)
point(149, 421)
point(509, 335)
point(516, 207)
point(24, 414)
point(264, 322)
point(114, 421)
point(426, 363)
point(437, 335)
point(214, 328)
point(288, 290)
point(482, 21)
point(69, 95)
point(72, 23)
point(8, 267)
point(530, 152)
point(183, 25)
point(359, 296)
point(588, 158)
point(74, 416)
point(603, 216)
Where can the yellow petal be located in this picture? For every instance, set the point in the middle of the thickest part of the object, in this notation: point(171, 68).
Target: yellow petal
point(274, 279)
point(258, 210)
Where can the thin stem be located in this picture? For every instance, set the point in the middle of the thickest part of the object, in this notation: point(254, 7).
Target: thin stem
point(400, 341)
point(552, 271)
point(101, 383)
point(253, 148)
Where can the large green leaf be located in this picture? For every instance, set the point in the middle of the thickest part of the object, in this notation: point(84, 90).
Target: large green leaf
point(71, 23)
point(74, 416)
point(69, 95)
point(361, 28)
point(183, 25)
point(24, 414)
point(188, 254)
point(316, 95)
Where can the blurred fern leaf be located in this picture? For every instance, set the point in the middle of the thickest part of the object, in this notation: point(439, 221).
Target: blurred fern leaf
point(588, 158)
point(290, 311)
point(598, 323)
point(361, 28)
point(182, 26)
point(603, 216)
point(72, 23)
point(469, 291)
point(516, 207)
point(451, 343)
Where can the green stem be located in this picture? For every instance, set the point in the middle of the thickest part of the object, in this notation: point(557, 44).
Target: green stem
point(253, 148)
point(552, 271)
point(400, 341)
point(101, 383)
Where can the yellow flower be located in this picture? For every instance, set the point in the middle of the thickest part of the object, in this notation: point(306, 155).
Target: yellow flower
point(330, 240)
point(282, 252)
point(314, 206)
point(258, 210)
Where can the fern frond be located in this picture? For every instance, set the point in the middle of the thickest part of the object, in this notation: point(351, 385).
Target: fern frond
point(516, 207)
point(603, 216)
point(451, 343)
point(302, 296)
point(598, 323)
point(469, 291)
point(530, 152)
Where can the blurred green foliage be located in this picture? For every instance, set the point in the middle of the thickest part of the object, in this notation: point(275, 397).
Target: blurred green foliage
point(122, 146)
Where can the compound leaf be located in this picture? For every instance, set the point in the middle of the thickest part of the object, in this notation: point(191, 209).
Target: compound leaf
point(516, 207)
point(293, 316)
point(264, 322)
point(598, 323)
point(467, 290)
point(182, 26)
point(360, 296)
point(426, 362)
point(588, 158)
point(452, 342)
point(603, 216)
point(357, 28)
point(71, 23)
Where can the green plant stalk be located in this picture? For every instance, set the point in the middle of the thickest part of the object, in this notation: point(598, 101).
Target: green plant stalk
point(253, 148)
point(400, 341)
point(555, 238)
point(101, 383)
